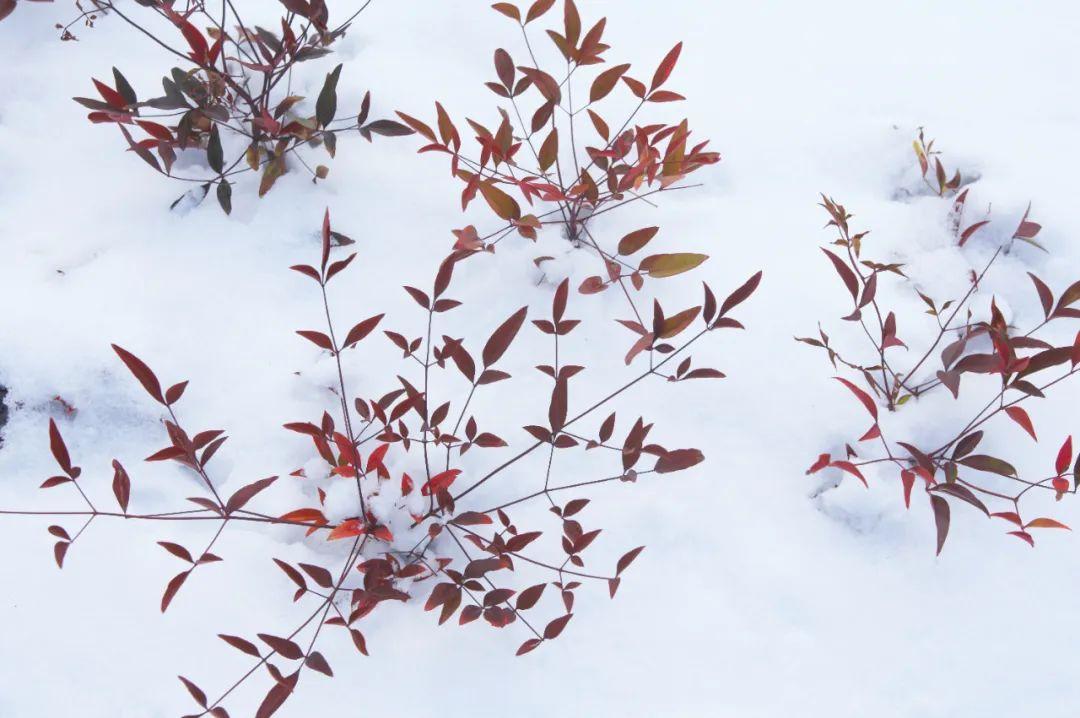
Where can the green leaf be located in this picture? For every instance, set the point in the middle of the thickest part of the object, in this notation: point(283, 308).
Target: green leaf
point(981, 462)
point(668, 265)
point(326, 105)
point(124, 88)
point(224, 196)
point(214, 155)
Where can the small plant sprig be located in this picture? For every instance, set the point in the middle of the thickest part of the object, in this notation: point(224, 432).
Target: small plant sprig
point(437, 533)
point(231, 97)
point(545, 152)
point(968, 342)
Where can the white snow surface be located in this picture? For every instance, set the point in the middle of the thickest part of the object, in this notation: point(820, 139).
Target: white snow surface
point(753, 597)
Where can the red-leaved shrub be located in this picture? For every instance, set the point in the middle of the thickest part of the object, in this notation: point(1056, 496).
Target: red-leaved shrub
point(972, 338)
point(231, 98)
point(548, 155)
point(434, 536)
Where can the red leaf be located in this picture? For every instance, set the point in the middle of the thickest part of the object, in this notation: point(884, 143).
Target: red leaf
point(1064, 457)
point(501, 338)
point(528, 646)
point(171, 589)
point(246, 493)
point(142, 372)
point(439, 482)
point(862, 396)
point(627, 559)
point(666, 66)
point(59, 448)
point(1025, 536)
point(845, 273)
point(286, 648)
point(908, 479)
point(317, 338)
point(1021, 417)
point(741, 294)
point(941, 519)
point(317, 662)
point(555, 627)
point(194, 690)
point(678, 460)
point(362, 329)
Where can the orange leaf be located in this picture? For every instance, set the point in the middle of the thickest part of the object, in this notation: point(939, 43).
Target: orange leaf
point(1046, 524)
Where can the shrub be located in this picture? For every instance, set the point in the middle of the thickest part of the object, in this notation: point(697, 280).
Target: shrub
point(230, 101)
point(972, 338)
point(430, 533)
point(548, 161)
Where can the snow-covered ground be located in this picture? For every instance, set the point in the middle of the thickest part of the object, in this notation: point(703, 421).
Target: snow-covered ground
point(753, 598)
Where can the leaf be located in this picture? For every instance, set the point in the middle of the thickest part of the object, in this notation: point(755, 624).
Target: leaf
point(963, 493)
point(555, 627)
point(668, 265)
point(214, 155)
point(195, 691)
point(636, 240)
point(1064, 457)
point(439, 482)
point(528, 645)
point(171, 589)
point(326, 105)
point(1046, 297)
point(861, 395)
point(505, 206)
point(845, 273)
point(1068, 297)
point(501, 338)
point(1025, 536)
point(966, 445)
point(59, 448)
point(60, 551)
point(142, 373)
point(276, 697)
point(246, 493)
point(666, 66)
point(388, 128)
point(317, 338)
point(177, 550)
point(1021, 417)
point(362, 329)
point(678, 460)
point(507, 9)
point(981, 462)
point(286, 648)
point(317, 662)
point(241, 645)
point(224, 196)
point(549, 150)
point(941, 519)
point(1046, 524)
point(530, 596)
point(271, 171)
point(627, 559)
point(741, 294)
point(605, 82)
point(537, 9)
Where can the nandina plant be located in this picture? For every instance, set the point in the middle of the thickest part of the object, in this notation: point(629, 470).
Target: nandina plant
point(555, 157)
point(229, 103)
point(418, 526)
point(971, 338)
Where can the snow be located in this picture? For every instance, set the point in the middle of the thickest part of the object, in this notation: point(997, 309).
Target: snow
point(759, 593)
